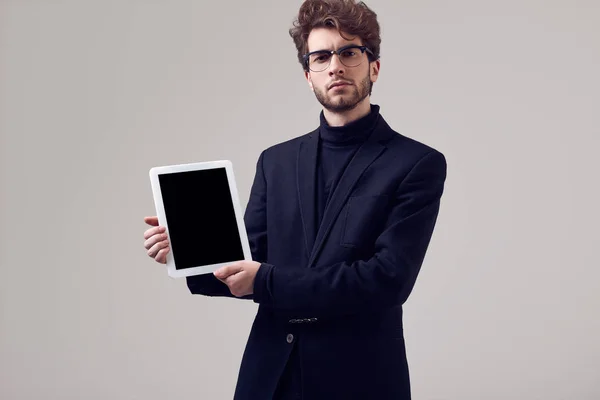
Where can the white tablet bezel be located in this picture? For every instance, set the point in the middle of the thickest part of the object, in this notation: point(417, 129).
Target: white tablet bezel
point(162, 220)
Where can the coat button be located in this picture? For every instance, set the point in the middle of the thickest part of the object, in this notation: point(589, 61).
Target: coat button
point(289, 338)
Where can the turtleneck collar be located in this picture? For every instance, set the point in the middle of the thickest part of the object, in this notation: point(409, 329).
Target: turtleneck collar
point(352, 133)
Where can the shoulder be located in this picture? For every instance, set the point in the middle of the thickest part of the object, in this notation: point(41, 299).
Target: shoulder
point(288, 148)
point(408, 148)
point(291, 144)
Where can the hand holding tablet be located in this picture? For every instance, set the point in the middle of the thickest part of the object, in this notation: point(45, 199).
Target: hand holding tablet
point(198, 208)
point(156, 240)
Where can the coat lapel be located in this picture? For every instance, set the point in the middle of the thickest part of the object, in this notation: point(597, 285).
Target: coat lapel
point(365, 155)
point(306, 181)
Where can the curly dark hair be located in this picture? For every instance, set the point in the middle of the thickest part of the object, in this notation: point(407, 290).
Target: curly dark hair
point(349, 16)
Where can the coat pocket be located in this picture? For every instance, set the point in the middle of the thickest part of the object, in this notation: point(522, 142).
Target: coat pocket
point(364, 219)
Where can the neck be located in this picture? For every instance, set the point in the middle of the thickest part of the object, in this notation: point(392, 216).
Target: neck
point(343, 118)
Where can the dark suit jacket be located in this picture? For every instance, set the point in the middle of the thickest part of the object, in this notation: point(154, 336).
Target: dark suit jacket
point(336, 290)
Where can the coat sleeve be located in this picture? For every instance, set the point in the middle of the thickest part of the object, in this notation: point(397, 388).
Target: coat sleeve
point(386, 278)
point(255, 219)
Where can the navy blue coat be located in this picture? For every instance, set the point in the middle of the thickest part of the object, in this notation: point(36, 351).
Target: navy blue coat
point(336, 290)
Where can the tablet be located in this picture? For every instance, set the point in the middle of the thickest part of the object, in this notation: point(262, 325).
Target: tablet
point(198, 205)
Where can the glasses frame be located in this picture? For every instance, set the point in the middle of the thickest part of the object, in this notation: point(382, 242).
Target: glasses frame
point(339, 51)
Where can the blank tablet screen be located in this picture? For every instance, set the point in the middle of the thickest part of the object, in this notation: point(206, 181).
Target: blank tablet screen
point(201, 219)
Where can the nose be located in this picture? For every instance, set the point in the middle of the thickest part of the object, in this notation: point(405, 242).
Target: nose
point(336, 66)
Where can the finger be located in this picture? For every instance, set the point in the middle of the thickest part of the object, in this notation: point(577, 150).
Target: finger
point(161, 257)
point(151, 220)
point(235, 283)
point(153, 231)
point(231, 282)
point(228, 270)
point(158, 246)
point(152, 240)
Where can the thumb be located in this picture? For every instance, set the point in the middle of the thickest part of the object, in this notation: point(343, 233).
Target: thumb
point(227, 271)
point(151, 220)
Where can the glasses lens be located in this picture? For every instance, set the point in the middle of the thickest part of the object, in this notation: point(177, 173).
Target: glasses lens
point(319, 61)
point(351, 57)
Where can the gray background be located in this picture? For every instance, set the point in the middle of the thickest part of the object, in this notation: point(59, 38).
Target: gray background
point(95, 93)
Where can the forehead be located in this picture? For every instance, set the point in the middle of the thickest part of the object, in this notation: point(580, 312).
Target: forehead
point(329, 39)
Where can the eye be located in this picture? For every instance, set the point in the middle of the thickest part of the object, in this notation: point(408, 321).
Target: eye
point(320, 57)
point(349, 53)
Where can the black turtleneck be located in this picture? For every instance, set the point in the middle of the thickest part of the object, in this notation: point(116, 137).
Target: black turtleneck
point(337, 146)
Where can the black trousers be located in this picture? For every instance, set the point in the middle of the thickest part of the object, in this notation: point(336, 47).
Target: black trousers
point(290, 383)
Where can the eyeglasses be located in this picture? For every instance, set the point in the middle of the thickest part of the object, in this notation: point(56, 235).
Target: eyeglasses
point(350, 56)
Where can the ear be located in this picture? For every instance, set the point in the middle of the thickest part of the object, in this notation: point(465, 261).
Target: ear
point(374, 70)
point(307, 77)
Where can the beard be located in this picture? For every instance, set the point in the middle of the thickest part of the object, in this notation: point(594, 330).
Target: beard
point(346, 101)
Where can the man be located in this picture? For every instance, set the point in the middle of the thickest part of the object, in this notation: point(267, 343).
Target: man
point(339, 221)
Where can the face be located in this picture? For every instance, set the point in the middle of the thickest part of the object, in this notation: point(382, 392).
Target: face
point(358, 80)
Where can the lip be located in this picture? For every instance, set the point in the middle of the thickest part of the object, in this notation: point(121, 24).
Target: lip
point(338, 84)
